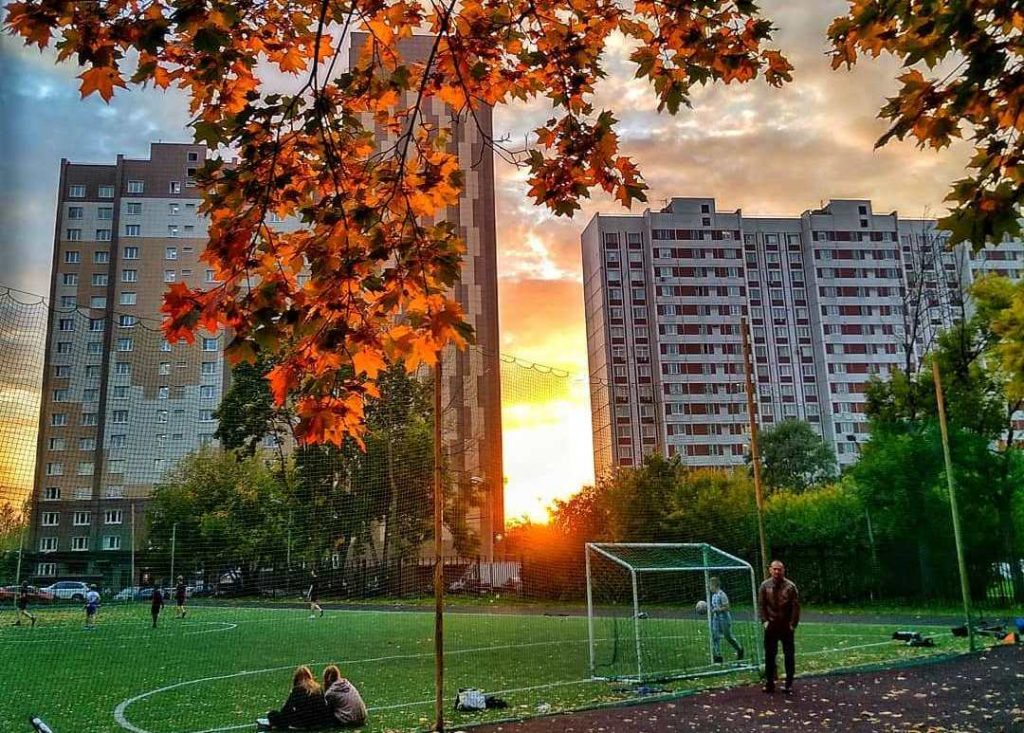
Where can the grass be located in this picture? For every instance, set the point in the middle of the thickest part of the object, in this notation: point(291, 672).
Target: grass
point(223, 666)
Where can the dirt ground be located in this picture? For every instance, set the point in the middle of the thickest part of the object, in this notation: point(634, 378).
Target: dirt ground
point(982, 693)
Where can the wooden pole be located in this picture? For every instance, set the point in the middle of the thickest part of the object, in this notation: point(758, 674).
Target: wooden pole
point(755, 454)
point(438, 557)
point(965, 591)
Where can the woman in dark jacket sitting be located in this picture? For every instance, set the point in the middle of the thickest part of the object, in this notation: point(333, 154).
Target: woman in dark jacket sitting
point(305, 706)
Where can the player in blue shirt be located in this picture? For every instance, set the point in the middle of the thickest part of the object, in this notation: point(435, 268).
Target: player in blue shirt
point(92, 606)
point(721, 622)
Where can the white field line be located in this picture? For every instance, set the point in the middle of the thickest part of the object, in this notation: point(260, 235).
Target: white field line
point(121, 719)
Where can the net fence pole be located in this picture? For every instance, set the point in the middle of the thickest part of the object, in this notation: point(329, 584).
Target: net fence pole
point(755, 455)
point(965, 591)
point(707, 600)
point(174, 538)
point(758, 628)
point(636, 626)
point(590, 614)
point(438, 555)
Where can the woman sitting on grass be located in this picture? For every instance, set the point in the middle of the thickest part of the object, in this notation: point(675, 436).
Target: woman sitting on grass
point(305, 707)
point(344, 702)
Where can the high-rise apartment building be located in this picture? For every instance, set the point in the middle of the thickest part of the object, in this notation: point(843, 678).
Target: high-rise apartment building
point(832, 297)
point(121, 406)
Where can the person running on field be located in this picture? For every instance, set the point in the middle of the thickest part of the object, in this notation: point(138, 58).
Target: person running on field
point(314, 596)
point(343, 699)
point(92, 607)
point(156, 604)
point(780, 613)
point(22, 604)
point(721, 622)
point(180, 596)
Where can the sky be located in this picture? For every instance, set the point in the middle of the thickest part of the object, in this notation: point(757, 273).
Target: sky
point(764, 150)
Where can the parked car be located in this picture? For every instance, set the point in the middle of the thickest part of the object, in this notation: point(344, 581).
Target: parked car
point(68, 590)
point(10, 593)
point(200, 590)
point(488, 577)
point(139, 593)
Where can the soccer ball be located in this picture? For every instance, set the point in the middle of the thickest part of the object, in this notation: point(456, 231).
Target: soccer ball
point(701, 607)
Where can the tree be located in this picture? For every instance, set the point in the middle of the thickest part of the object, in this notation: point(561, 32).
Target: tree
point(795, 457)
point(228, 515)
point(247, 413)
point(976, 49)
point(381, 261)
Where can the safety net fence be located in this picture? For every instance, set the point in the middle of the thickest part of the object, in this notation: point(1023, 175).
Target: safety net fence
point(160, 486)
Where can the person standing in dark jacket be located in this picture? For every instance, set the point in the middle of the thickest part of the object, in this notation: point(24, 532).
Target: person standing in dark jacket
point(23, 605)
point(305, 707)
point(779, 602)
point(180, 595)
point(156, 604)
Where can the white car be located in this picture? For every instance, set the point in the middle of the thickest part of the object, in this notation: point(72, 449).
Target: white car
point(68, 590)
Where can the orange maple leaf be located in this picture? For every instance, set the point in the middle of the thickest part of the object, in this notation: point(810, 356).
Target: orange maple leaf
point(101, 79)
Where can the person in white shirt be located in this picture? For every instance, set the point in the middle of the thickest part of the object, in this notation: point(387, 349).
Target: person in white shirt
point(721, 622)
point(92, 606)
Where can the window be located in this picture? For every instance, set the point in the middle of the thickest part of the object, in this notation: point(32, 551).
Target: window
point(92, 371)
point(193, 157)
point(69, 301)
point(129, 276)
point(58, 419)
point(61, 395)
point(131, 253)
point(211, 276)
point(46, 569)
point(116, 465)
point(206, 416)
point(47, 544)
point(90, 394)
point(100, 279)
point(63, 347)
point(127, 298)
point(85, 469)
point(89, 419)
point(62, 370)
point(171, 253)
point(209, 344)
point(123, 369)
point(170, 276)
point(87, 444)
point(161, 416)
point(208, 368)
point(106, 192)
point(172, 230)
point(165, 345)
point(115, 492)
point(163, 392)
point(101, 256)
point(81, 519)
point(207, 392)
point(124, 344)
point(76, 212)
point(66, 324)
point(79, 544)
point(119, 440)
point(51, 493)
point(119, 417)
point(120, 392)
point(125, 321)
point(69, 278)
point(132, 230)
point(97, 324)
point(175, 187)
point(111, 542)
point(54, 469)
point(104, 235)
point(113, 516)
point(76, 191)
point(133, 208)
point(165, 368)
point(136, 186)
point(50, 519)
point(73, 256)
point(105, 213)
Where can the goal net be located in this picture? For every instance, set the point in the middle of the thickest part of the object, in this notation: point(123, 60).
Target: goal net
point(666, 611)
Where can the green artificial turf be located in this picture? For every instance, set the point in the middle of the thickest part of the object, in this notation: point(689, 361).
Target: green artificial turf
point(222, 667)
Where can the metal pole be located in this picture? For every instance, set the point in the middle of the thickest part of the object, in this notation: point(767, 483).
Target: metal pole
point(21, 549)
point(755, 454)
point(707, 601)
point(961, 563)
point(132, 578)
point(438, 556)
point(174, 537)
point(590, 614)
point(636, 628)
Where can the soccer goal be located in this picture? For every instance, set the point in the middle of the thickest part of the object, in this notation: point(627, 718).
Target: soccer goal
point(653, 613)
